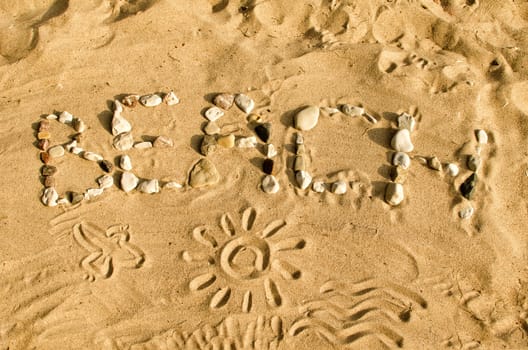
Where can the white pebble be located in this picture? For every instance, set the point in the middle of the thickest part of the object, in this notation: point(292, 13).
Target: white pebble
point(143, 145)
point(149, 186)
point(394, 193)
point(65, 117)
point(125, 162)
point(173, 185)
point(171, 99)
point(271, 151)
point(123, 141)
point(214, 113)
point(150, 100)
point(339, 187)
point(120, 124)
point(79, 125)
point(401, 141)
point(247, 142)
point(482, 137)
point(401, 159)
point(318, 186)
point(94, 157)
point(52, 117)
point(299, 139)
point(466, 212)
point(92, 193)
point(70, 145)
point(105, 181)
point(352, 111)
point(406, 121)
point(270, 184)
point(245, 103)
point(63, 201)
point(307, 118)
point(56, 151)
point(50, 197)
point(129, 181)
point(452, 169)
point(77, 150)
point(304, 179)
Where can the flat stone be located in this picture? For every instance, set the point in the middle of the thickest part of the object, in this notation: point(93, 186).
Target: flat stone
point(263, 131)
point(44, 135)
point(304, 179)
point(352, 111)
point(401, 141)
point(245, 103)
point(171, 99)
point(143, 145)
point(45, 157)
point(43, 144)
point(50, 197)
point(467, 188)
point(339, 187)
point(214, 113)
point(56, 151)
point(226, 141)
point(270, 184)
point(299, 163)
point(52, 117)
point(307, 118)
point(473, 162)
point(398, 174)
point(66, 117)
point(77, 150)
point(151, 100)
point(91, 156)
point(482, 137)
point(203, 174)
point(49, 181)
point(401, 159)
point(466, 212)
point(91, 193)
point(406, 121)
point(434, 163)
point(211, 128)
point(123, 142)
point(125, 162)
point(149, 186)
point(209, 145)
point(247, 142)
point(224, 101)
point(394, 193)
point(129, 181)
point(163, 142)
point(452, 169)
point(268, 166)
point(78, 125)
point(319, 186)
point(271, 152)
point(48, 170)
point(106, 166)
point(120, 125)
point(173, 185)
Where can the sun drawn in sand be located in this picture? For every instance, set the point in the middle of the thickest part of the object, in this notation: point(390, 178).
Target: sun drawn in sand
point(245, 258)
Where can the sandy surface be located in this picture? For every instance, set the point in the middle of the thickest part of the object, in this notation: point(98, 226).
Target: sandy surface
point(229, 266)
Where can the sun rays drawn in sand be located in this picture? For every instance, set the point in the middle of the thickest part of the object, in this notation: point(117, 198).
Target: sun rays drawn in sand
point(245, 258)
point(107, 249)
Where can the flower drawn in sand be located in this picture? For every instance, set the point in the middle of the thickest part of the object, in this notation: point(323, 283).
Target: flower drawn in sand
point(107, 249)
point(246, 259)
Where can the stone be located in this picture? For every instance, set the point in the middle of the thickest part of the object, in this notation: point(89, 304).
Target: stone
point(300, 150)
point(318, 186)
point(79, 137)
point(211, 128)
point(70, 145)
point(245, 103)
point(482, 137)
point(130, 101)
point(466, 212)
point(171, 99)
point(307, 118)
point(339, 187)
point(214, 113)
point(50, 197)
point(209, 145)
point(401, 141)
point(398, 174)
point(299, 163)
point(203, 174)
point(56, 151)
point(467, 188)
point(268, 166)
point(91, 156)
point(224, 101)
point(120, 125)
point(270, 184)
point(118, 107)
point(226, 141)
point(143, 145)
point(43, 144)
point(473, 162)
point(52, 117)
point(406, 121)
point(106, 166)
point(105, 181)
point(370, 118)
point(452, 169)
point(330, 110)
point(77, 150)
point(45, 157)
point(123, 142)
point(78, 125)
point(173, 185)
point(401, 159)
point(247, 142)
point(254, 118)
point(163, 142)
point(49, 181)
point(44, 125)
point(48, 170)
point(263, 131)
point(149, 186)
point(271, 152)
point(304, 179)
point(125, 162)
point(352, 111)
point(44, 135)
point(129, 181)
point(91, 193)
point(299, 139)
point(434, 163)
point(76, 197)
point(394, 193)
point(65, 117)
point(151, 100)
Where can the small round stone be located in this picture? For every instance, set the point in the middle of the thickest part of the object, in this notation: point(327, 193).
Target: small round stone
point(49, 181)
point(268, 166)
point(245, 103)
point(467, 188)
point(50, 197)
point(401, 159)
point(263, 131)
point(106, 166)
point(406, 121)
point(105, 181)
point(123, 142)
point(466, 212)
point(247, 142)
point(171, 99)
point(473, 162)
point(48, 170)
point(163, 142)
point(143, 145)
point(125, 162)
point(226, 141)
point(78, 125)
point(299, 139)
point(339, 187)
point(76, 197)
point(209, 145)
point(91, 156)
point(44, 125)
point(398, 174)
point(394, 193)
point(65, 117)
point(91, 193)
point(45, 157)
point(304, 179)
point(56, 151)
point(149, 186)
point(224, 101)
point(271, 151)
point(254, 118)
point(434, 163)
point(318, 186)
point(52, 117)
point(211, 128)
point(452, 169)
point(203, 174)
point(151, 100)
point(307, 118)
point(270, 184)
point(401, 141)
point(482, 137)
point(129, 181)
point(214, 113)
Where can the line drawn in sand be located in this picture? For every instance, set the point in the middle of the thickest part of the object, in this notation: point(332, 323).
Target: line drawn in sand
point(247, 257)
point(107, 249)
point(347, 312)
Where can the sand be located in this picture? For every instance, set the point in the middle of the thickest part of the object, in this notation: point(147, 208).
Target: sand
point(229, 266)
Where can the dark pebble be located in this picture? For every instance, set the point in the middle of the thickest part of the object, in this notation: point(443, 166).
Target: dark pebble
point(48, 170)
point(263, 131)
point(106, 165)
point(43, 144)
point(268, 166)
point(44, 157)
point(467, 188)
point(49, 181)
point(76, 197)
